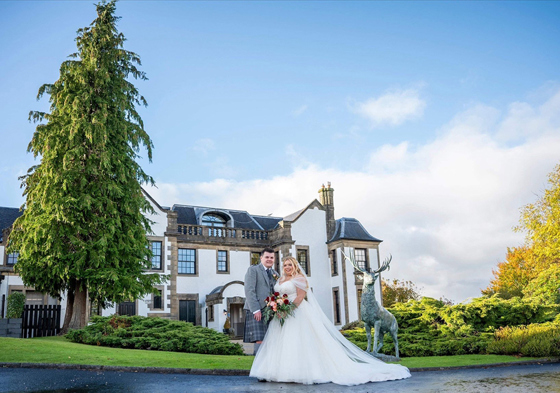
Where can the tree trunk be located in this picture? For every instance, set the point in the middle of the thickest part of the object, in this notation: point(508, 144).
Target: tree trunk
point(79, 313)
point(69, 311)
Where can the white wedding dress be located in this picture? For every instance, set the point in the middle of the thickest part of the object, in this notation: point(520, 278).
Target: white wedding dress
point(309, 349)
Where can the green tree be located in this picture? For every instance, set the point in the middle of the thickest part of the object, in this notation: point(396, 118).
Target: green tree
point(397, 291)
point(546, 285)
point(541, 221)
point(512, 276)
point(534, 269)
point(83, 229)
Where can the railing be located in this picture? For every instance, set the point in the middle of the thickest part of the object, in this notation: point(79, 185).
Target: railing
point(40, 321)
point(224, 233)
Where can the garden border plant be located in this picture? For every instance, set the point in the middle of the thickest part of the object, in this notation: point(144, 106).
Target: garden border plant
point(154, 333)
point(16, 305)
point(430, 327)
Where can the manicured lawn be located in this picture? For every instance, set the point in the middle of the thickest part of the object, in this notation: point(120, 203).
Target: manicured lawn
point(59, 350)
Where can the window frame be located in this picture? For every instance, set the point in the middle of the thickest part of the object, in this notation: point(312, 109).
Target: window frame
point(154, 296)
point(194, 262)
point(254, 254)
point(337, 315)
point(152, 242)
point(304, 249)
point(334, 262)
point(366, 258)
point(227, 262)
point(11, 256)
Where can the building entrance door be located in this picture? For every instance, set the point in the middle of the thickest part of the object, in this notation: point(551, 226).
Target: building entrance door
point(237, 315)
point(187, 311)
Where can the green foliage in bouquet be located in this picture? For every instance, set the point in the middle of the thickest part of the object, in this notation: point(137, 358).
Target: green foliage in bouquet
point(154, 333)
point(279, 307)
point(430, 327)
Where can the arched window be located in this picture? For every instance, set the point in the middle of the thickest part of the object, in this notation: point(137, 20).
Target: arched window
point(215, 221)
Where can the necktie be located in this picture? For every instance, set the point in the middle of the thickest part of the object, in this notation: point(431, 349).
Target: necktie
point(269, 273)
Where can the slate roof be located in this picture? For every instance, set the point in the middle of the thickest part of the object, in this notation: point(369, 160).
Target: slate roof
point(7, 217)
point(190, 215)
point(293, 216)
point(268, 222)
point(351, 229)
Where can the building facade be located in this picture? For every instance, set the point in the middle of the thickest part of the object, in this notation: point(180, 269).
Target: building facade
point(206, 251)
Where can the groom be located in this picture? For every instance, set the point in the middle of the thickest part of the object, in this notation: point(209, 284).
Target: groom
point(259, 284)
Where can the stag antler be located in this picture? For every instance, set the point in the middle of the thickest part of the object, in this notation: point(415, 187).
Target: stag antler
point(353, 261)
point(384, 265)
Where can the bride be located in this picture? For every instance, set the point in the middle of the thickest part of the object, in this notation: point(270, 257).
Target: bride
point(309, 349)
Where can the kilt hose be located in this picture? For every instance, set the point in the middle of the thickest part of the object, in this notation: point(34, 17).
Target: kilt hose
point(254, 330)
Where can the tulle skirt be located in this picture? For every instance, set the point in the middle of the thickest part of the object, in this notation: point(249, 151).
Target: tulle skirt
point(304, 351)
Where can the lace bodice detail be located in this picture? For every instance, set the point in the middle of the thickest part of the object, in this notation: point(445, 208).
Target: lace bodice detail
point(287, 288)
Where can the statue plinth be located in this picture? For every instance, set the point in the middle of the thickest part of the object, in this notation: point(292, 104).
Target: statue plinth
point(385, 358)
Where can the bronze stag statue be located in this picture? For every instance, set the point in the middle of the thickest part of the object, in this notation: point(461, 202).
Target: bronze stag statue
point(372, 313)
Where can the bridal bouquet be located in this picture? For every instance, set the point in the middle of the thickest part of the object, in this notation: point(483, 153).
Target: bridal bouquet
point(279, 307)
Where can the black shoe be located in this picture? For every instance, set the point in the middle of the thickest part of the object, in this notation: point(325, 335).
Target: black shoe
point(262, 380)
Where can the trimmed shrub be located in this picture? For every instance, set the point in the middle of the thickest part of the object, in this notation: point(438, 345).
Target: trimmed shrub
point(430, 327)
point(154, 333)
point(16, 303)
point(535, 340)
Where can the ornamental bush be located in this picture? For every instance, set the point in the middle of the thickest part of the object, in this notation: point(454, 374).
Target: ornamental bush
point(154, 333)
point(16, 303)
point(430, 327)
point(535, 340)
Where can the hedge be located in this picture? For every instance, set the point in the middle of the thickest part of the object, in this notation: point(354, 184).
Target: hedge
point(430, 327)
point(154, 333)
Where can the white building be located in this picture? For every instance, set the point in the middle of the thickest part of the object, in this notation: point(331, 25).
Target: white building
point(206, 252)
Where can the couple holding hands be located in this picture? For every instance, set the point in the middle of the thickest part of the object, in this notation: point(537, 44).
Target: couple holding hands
point(307, 348)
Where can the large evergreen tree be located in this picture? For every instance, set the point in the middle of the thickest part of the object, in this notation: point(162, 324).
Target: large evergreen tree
point(83, 229)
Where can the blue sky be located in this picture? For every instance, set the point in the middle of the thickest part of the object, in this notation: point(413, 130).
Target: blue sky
point(435, 121)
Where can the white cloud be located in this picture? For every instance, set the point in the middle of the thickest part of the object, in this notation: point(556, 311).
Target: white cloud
point(393, 108)
point(299, 111)
point(221, 168)
point(204, 145)
point(445, 209)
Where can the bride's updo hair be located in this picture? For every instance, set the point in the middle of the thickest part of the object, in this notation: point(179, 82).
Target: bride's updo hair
point(295, 264)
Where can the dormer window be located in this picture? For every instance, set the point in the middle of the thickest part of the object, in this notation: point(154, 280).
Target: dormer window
point(213, 220)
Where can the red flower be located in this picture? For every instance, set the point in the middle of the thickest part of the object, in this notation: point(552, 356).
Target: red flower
point(267, 299)
point(286, 301)
point(285, 295)
point(273, 298)
point(276, 294)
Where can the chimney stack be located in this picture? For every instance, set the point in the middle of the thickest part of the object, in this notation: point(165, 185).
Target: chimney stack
point(327, 200)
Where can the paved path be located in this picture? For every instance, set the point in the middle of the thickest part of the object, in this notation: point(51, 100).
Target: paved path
point(513, 379)
point(248, 348)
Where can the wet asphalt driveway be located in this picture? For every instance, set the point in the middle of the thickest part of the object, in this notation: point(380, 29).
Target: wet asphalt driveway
point(512, 379)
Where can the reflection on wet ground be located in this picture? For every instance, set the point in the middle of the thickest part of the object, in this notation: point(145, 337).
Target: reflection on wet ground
point(512, 379)
point(508, 381)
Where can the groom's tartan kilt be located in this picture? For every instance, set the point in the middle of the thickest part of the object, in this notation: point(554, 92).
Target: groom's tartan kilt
point(254, 330)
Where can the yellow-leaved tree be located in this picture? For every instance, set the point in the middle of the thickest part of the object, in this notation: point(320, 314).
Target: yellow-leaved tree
point(534, 269)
